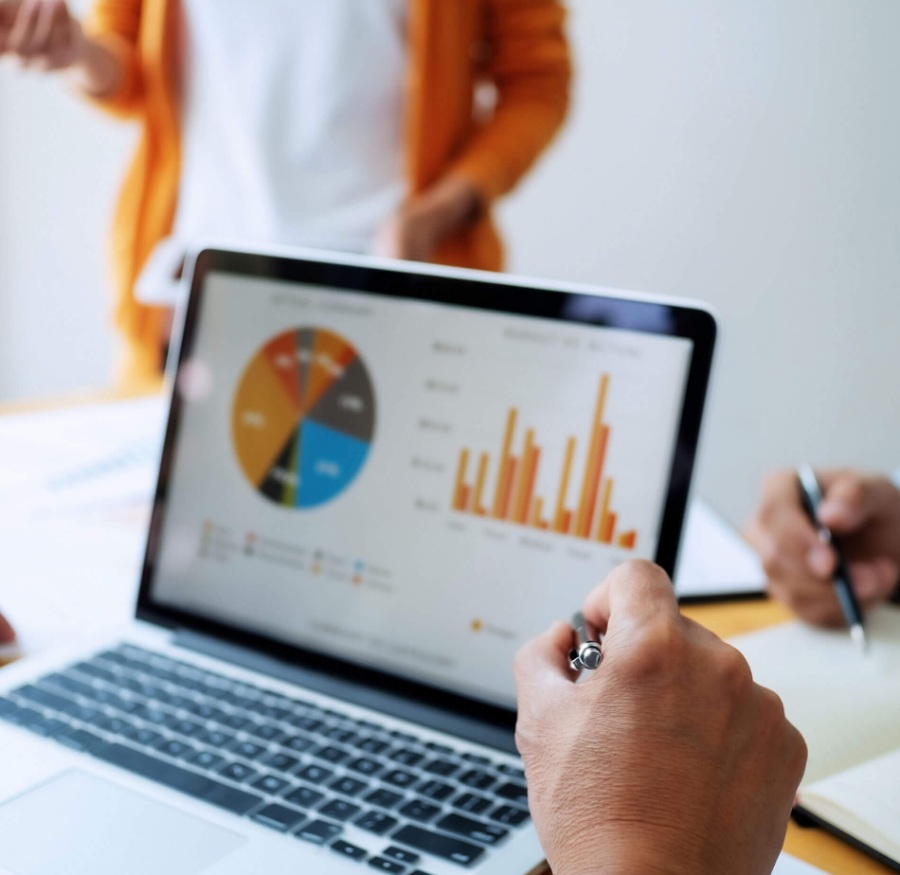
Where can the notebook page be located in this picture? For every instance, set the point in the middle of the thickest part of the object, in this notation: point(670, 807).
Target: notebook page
point(863, 801)
point(846, 705)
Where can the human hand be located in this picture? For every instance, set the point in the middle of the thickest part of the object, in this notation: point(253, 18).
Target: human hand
point(863, 511)
point(7, 633)
point(668, 758)
point(421, 223)
point(42, 34)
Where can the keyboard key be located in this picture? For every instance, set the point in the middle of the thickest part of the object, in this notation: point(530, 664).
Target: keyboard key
point(305, 797)
point(382, 864)
point(477, 779)
point(485, 833)
point(214, 737)
point(205, 759)
point(514, 792)
point(419, 809)
point(509, 814)
point(306, 723)
point(280, 762)
point(372, 745)
point(440, 767)
point(399, 778)
point(476, 759)
point(472, 803)
point(377, 822)
point(512, 772)
point(439, 748)
point(49, 699)
point(266, 732)
point(148, 737)
point(341, 735)
point(436, 790)
point(172, 747)
point(249, 750)
point(407, 757)
point(348, 786)
point(271, 784)
point(315, 774)
point(365, 766)
point(192, 783)
point(319, 832)
point(340, 809)
point(81, 740)
point(299, 743)
point(384, 798)
point(401, 855)
point(279, 817)
point(446, 847)
point(345, 849)
point(239, 772)
point(330, 754)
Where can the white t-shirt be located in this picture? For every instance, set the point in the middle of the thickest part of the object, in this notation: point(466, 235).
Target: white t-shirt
point(292, 125)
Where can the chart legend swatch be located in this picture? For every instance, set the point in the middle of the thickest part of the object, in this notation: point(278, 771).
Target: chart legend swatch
point(303, 417)
point(513, 497)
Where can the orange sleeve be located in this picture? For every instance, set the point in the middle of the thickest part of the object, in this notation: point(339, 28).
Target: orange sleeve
point(115, 24)
point(529, 65)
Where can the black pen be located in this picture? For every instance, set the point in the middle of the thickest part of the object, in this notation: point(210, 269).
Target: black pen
point(811, 496)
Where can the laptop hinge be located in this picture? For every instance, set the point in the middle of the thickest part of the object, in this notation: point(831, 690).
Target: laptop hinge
point(344, 688)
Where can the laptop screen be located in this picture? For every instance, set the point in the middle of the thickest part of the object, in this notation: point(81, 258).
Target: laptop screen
point(413, 482)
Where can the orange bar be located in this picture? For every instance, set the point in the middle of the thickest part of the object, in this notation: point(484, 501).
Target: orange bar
point(559, 516)
point(610, 528)
point(529, 485)
point(464, 497)
point(537, 507)
point(479, 484)
point(566, 522)
point(544, 524)
point(628, 539)
point(458, 503)
point(591, 505)
point(504, 476)
point(604, 508)
point(505, 505)
point(583, 520)
point(519, 507)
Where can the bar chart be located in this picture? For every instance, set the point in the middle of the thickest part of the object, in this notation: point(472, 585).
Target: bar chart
point(503, 487)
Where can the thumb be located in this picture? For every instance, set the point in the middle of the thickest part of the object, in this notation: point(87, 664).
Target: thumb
point(542, 664)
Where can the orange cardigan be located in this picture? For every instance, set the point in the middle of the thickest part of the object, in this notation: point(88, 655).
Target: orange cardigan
point(518, 45)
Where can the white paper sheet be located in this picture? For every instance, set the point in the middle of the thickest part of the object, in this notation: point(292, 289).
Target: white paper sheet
point(715, 560)
point(788, 865)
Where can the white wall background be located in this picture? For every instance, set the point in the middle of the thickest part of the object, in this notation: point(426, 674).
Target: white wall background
point(743, 153)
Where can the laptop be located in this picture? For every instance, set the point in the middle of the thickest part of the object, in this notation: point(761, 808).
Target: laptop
point(378, 480)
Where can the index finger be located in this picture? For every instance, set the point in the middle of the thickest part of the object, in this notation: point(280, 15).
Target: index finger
point(635, 591)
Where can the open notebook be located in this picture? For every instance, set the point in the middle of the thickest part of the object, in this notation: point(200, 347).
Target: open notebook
point(848, 708)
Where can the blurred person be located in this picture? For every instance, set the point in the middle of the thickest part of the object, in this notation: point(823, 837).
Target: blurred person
point(358, 126)
point(668, 758)
point(863, 510)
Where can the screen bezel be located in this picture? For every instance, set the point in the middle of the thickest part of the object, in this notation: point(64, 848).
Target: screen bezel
point(480, 291)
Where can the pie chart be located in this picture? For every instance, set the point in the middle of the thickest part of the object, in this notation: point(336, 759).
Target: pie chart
point(303, 417)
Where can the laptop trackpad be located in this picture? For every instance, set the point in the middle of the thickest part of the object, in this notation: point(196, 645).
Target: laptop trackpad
point(79, 824)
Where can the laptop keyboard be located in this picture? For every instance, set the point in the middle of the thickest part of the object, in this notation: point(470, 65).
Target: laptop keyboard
point(316, 773)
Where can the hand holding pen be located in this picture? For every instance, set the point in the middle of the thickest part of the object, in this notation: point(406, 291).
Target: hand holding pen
point(861, 510)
